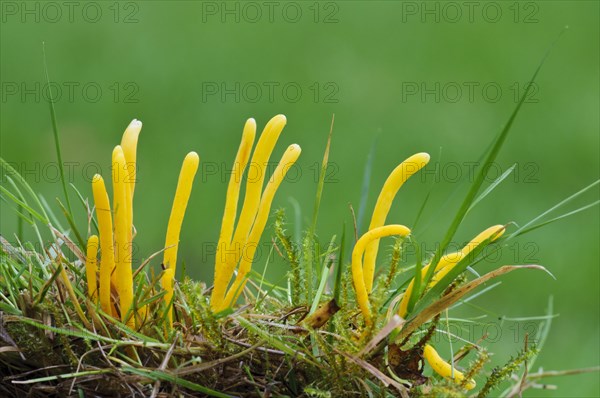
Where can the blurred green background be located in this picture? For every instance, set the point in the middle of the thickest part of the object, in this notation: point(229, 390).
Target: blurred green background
point(409, 76)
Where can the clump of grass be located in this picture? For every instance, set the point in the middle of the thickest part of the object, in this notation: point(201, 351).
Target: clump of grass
point(72, 328)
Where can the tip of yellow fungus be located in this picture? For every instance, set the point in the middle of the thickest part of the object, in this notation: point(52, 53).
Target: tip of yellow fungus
point(279, 118)
point(135, 123)
point(192, 157)
point(426, 157)
point(251, 121)
point(495, 231)
point(295, 148)
point(117, 156)
point(96, 178)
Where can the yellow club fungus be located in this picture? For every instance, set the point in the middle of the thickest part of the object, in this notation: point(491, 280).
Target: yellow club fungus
point(167, 282)
point(182, 196)
point(222, 278)
point(230, 249)
point(107, 255)
point(129, 144)
point(444, 369)
point(91, 267)
point(124, 278)
point(447, 263)
point(255, 178)
point(384, 202)
point(362, 295)
point(287, 161)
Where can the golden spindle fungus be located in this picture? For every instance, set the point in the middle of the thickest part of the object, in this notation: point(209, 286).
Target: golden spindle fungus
point(287, 161)
point(129, 143)
point(444, 369)
point(451, 258)
point(107, 254)
point(384, 202)
point(182, 196)
point(222, 277)
point(448, 261)
point(124, 277)
point(254, 185)
point(492, 233)
point(167, 281)
point(362, 295)
point(91, 267)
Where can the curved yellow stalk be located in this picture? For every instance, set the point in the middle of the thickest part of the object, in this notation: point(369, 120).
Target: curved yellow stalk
point(287, 161)
point(384, 202)
point(444, 369)
point(167, 282)
point(91, 268)
point(254, 186)
point(494, 232)
point(107, 254)
point(362, 295)
point(124, 276)
point(182, 196)
point(129, 144)
point(222, 275)
point(447, 262)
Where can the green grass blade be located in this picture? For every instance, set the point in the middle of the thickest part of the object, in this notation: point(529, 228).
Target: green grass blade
point(322, 175)
point(521, 230)
point(366, 183)
point(56, 134)
point(492, 186)
point(337, 287)
point(479, 179)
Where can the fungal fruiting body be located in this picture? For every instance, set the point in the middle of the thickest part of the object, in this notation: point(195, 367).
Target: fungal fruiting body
point(91, 267)
point(116, 241)
point(129, 144)
point(448, 261)
point(167, 282)
point(222, 272)
point(182, 196)
point(255, 209)
point(288, 159)
point(362, 294)
point(107, 254)
point(445, 369)
point(382, 207)
point(364, 254)
point(124, 278)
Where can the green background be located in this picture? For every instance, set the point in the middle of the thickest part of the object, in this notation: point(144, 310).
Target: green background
point(154, 61)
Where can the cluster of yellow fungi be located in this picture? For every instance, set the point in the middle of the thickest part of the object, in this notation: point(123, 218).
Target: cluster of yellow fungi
point(364, 257)
point(237, 246)
point(114, 286)
point(111, 284)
